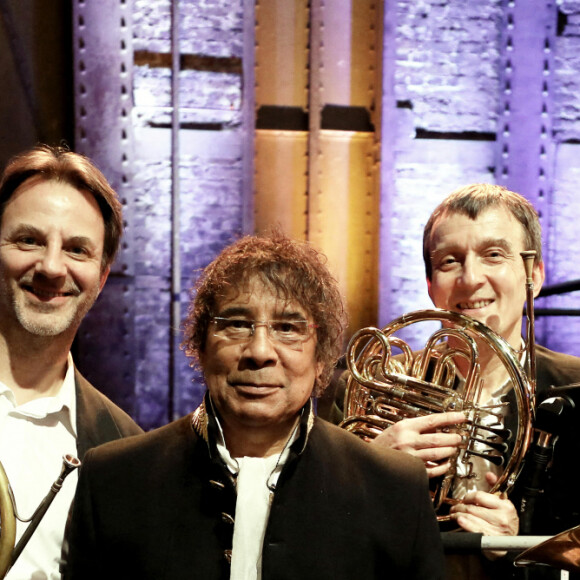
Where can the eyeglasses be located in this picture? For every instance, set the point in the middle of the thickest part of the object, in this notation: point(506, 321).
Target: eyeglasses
point(289, 332)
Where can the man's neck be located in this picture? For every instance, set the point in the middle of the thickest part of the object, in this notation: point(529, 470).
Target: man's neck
point(35, 368)
point(257, 442)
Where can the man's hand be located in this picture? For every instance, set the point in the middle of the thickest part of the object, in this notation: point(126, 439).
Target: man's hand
point(489, 514)
point(424, 438)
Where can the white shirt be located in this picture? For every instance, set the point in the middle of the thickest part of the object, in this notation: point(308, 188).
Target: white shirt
point(33, 439)
point(255, 477)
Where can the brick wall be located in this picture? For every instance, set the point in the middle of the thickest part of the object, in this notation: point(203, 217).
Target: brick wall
point(210, 176)
point(447, 91)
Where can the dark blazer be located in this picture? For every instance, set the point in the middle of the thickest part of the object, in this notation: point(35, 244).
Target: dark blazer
point(99, 420)
point(161, 506)
point(558, 507)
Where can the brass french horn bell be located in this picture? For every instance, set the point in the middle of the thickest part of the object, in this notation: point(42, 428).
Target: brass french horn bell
point(562, 552)
point(389, 382)
point(7, 524)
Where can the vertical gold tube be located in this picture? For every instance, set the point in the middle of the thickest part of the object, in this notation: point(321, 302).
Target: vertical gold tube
point(529, 258)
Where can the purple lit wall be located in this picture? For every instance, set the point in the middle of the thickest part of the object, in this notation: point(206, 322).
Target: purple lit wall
point(452, 79)
point(481, 92)
point(153, 373)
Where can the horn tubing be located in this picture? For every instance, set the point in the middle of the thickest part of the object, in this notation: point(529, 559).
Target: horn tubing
point(7, 522)
point(529, 257)
point(369, 359)
point(69, 464)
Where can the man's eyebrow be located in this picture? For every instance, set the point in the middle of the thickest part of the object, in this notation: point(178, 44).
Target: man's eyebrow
point(26, 229)
point(483, 245)
point(500, 242)
point(80, 241)
point(234, 311)
point(290, 315)
point(244, 311)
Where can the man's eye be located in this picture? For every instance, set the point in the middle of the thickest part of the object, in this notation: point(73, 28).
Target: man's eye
point(289, 328)
point(446, 262)
point(284, 326)
point(495, 255)
point(78, 251)
point(27, 241)
point(237, 324)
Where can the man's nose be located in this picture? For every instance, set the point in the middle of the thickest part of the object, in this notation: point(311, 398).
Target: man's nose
point(472, 272)
point(52, 262)
point(260, 348)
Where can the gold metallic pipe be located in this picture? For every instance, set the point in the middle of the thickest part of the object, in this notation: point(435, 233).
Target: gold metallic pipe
point(7, 523)
point(8, 553)
point(529, 257)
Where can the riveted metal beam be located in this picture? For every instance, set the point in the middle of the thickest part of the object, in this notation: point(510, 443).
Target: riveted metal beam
point(525, 147)
point(344, 109)
point(525, 153)
point(280, 163)
point(103, 60)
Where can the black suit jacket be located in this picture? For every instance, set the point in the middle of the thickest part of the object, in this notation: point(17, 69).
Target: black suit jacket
point(161, 506)
point(558, 506)
point(99, 420)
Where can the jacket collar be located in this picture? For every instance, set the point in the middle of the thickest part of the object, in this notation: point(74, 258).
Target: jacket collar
point(205, 425)
point(95, 424)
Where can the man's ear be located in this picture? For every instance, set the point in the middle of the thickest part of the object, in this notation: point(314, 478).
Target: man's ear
point(104, 276)
point(319, 371)
point(538, 276)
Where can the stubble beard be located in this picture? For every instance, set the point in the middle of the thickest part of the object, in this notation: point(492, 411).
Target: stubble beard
point(44, 320)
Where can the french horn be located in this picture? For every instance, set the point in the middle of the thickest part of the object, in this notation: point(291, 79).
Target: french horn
point(388, 382)
point(9, 552)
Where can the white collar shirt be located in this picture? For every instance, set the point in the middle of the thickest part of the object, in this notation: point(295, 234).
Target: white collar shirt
point(34, 437)
point(256, 479)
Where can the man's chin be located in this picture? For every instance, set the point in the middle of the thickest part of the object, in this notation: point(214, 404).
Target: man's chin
point(46, 330)
point(46, 324)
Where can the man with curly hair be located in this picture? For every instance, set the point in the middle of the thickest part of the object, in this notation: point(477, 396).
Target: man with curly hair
point(252, 485)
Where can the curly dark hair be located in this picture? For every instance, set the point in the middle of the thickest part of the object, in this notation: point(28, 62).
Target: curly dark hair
point(59, 164)
point(472, 200)
point(296, 272)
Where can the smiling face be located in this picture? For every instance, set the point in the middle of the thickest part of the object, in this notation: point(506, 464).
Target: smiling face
point(477, 269)
point(259, 384)
point(51, 246)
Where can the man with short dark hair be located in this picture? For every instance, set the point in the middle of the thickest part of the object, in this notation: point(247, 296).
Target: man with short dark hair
point(252, 485)
point(60, 226)
point(472, 250)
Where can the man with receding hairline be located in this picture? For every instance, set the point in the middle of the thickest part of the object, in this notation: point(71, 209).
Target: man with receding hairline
point(60, 226)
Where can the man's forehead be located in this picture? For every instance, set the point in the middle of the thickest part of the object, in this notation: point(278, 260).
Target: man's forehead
point(493, 223)
point(255, 293)
point(46, 206)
